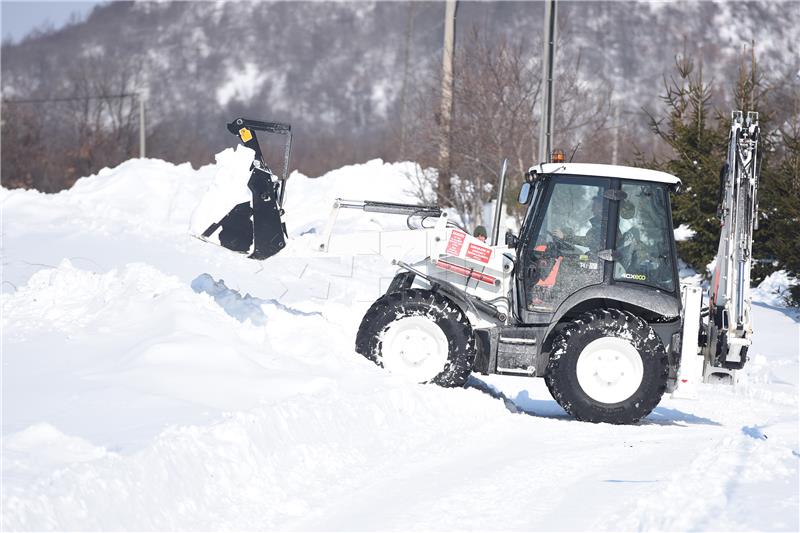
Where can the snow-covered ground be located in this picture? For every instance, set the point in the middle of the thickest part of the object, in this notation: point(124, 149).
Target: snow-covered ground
point(153, 381)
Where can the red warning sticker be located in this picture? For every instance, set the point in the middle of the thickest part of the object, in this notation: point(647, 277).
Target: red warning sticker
point(479, 253)
point(455, 243)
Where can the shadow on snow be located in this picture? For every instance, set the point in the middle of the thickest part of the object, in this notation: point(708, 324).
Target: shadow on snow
point(522, 403)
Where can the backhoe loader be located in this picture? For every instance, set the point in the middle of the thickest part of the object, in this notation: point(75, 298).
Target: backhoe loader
point(587, 295)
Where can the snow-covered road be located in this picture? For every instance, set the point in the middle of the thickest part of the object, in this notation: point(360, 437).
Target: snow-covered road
point(141, 392)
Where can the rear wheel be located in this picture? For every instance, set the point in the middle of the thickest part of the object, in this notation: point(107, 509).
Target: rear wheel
point(420, 335)
point(608, 366)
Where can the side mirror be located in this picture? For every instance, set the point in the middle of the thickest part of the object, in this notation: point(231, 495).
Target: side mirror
point(525, 193)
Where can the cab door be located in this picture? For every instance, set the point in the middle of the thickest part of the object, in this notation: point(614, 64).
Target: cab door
point(559, 250)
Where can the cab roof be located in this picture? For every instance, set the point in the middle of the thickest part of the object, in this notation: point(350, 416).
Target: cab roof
point(606, 171)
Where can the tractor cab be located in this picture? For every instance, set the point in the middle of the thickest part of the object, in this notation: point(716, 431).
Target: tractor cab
point(595, 232)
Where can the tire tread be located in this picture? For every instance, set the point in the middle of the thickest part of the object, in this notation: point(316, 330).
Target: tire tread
point(411, 302)
point(613, 321)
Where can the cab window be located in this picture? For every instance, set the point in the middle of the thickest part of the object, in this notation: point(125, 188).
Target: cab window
point(643, 249)
point(562, 253)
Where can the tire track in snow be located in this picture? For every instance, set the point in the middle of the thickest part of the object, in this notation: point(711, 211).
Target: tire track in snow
point(515, 473)
point(698, 495)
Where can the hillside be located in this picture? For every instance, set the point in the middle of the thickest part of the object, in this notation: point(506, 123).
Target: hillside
point(338, 70)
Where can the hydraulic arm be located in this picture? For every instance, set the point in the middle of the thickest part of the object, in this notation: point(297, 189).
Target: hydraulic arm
point(729, 321)
point(257, 227)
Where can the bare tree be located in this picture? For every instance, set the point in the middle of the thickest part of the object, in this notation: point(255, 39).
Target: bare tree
point(496, 92)
point(88, 120)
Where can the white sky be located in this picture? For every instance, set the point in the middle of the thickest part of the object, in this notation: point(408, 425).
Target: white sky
point(19, 18)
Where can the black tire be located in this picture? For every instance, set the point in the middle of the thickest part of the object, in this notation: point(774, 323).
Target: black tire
point(562, 376)
point(392, 307)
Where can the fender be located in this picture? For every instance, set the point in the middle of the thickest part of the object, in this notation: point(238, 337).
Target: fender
point(461, 298)
point(657, 304)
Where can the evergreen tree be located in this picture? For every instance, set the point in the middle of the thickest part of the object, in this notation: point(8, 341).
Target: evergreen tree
point(777, 237)
point(776, 245)
point(698, 144)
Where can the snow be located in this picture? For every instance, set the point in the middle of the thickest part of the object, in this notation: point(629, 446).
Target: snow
point(684, 233)
point(243, 84)
point(152, 381)
point(774, 290)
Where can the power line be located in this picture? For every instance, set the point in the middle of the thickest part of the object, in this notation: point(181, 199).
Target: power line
point(70, 98)
point(139, 96)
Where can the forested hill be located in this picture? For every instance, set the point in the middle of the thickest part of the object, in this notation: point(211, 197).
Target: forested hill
point(340, 72)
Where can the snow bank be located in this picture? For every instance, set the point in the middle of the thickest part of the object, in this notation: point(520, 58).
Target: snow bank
point(173, 349)
point(308, 202)
point(50, 447)
point(153, 381)
point(146, 197)
point(137, 328)
point(257, 470)
point(774, 290)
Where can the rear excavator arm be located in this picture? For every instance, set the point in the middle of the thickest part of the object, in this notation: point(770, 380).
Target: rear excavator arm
point(723, 341)
point(729, 322)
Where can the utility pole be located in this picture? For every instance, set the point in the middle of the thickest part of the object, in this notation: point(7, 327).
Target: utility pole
point(548, 75)
point(616, 126)
point(404, 92)
point(448, 50)
point(141, 95)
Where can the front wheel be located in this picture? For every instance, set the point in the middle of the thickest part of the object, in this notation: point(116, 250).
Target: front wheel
point(608, 366)
point(420, 335)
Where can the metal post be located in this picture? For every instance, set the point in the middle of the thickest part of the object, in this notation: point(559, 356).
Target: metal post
point(404, 91)
point(447, 100)
point(498, 205)
point(615, 145)
point(548, 75)
point(141, 97)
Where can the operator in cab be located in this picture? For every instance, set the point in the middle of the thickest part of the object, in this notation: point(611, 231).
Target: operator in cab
point(480, 233)
point(594, 236)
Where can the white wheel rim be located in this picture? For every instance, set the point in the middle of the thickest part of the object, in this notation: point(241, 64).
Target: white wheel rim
point(414, 347)
point(610, 370)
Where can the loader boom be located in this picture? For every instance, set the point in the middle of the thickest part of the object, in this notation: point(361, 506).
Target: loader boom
point(369, 206)
point(256, 228)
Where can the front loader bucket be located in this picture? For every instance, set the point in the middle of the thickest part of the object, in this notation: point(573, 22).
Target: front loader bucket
point(255, 227)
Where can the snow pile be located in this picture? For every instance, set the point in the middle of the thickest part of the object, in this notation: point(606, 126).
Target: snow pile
point(133, 329)
point(144, 197)
point(684, 233)
point(774, 290)
point(50, 447)
point(308, 202)
point(153, 381)
point(228, 189)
